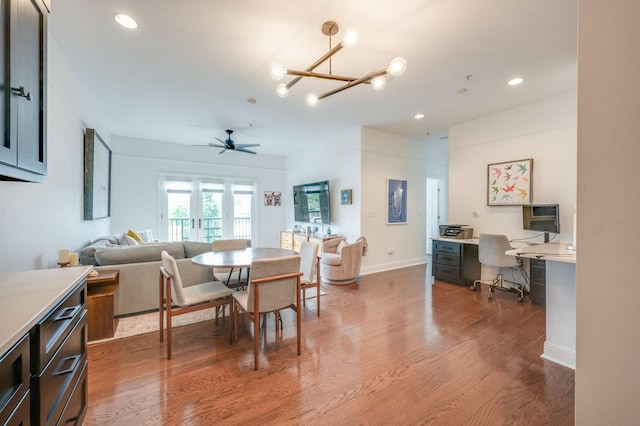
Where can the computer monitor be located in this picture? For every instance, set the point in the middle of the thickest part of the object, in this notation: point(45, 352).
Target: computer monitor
point(541, 217)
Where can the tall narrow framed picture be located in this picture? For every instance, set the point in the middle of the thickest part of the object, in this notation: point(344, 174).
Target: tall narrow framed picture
point(510, 183)
point(97, 176)
point(396, 201)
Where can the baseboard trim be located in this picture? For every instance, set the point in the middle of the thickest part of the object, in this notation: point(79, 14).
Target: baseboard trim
point(391, 266)
point(559, 355)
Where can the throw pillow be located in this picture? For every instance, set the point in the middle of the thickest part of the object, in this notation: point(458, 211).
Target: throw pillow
point(342, 245)
point(133, 235)
point(146, 235)
point(129, 241)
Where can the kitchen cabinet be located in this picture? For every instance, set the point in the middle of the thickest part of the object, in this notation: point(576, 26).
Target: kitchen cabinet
point(23, 100)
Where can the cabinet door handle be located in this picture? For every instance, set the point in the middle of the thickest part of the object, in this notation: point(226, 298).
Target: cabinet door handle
point(67, 313)
point(20, 92)
point(74, 363)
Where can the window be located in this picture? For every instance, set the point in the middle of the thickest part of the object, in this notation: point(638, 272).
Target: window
point(201, 209)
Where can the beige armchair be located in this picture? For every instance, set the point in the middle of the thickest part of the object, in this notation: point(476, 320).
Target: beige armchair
point(341, 259)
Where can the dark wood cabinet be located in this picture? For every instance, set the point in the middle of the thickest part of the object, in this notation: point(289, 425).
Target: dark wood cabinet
point(538, 282)
point(14, 384)
point(455, 262)
point(23, 44)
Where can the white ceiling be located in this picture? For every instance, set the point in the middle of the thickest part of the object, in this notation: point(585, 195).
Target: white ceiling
point(186, 73)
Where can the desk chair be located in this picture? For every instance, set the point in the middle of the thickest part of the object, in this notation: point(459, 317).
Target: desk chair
point(492, 253)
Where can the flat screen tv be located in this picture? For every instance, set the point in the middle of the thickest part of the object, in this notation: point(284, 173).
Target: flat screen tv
point(541, 217)
point(311, 203)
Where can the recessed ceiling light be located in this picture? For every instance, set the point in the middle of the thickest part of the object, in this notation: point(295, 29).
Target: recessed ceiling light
point(515, 81)
point(418, 116)
point(126, 21)
point(462, 91)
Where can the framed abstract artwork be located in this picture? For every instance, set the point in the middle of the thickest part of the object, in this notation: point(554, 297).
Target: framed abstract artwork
point(510, 183)
point(396, 201)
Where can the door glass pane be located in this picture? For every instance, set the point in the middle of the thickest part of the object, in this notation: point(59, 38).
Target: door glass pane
point(211, 216)
point(179, 209)
point(242, 197)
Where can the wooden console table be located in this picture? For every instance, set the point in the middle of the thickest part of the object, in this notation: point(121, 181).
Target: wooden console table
point(100, 304)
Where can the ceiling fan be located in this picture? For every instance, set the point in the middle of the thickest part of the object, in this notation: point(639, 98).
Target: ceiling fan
point(229, 144)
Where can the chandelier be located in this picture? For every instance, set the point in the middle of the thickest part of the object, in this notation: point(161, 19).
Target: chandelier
point(377, 79)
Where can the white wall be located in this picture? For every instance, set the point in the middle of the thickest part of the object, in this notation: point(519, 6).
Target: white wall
point(339, 161)
point(544, 131)
point(137, 165)
point(607, 291)
point(389, 156)
point(40, 218)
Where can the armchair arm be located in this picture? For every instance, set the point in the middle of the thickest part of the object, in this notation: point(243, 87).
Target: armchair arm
point(331, 246)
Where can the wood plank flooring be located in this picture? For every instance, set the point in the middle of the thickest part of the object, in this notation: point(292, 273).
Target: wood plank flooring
point(392, 350)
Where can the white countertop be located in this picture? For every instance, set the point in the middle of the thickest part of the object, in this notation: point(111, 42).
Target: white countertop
point(27, 296)
point(473, 240)
point(550, 251)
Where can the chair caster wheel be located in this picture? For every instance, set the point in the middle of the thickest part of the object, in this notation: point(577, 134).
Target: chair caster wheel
point(472, 288)
point(520, 299)
point(490, 297)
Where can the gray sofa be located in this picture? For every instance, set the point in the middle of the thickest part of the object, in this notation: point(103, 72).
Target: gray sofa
point(139, 267)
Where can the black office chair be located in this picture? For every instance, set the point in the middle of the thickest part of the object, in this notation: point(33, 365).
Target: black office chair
point(492, 253)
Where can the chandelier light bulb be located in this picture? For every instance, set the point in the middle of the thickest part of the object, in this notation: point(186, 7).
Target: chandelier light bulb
point(379, 83)
point(397, 66)
point(281, 90)
point(350, 37)
point(277, 71)
point(311, 99)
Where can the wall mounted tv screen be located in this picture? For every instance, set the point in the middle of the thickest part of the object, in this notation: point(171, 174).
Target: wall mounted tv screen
point(311, 203)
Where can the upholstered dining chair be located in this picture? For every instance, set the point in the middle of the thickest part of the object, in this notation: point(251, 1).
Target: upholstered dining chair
point(491, 252)
point(310, 268)
point(225, 275)
point(274, 285)
point(193, 298)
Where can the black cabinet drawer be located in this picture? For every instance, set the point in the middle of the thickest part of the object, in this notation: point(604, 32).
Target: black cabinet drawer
point(447, 247)
point(47, 335)
point(447, 273)
point(14, 377)
point(77, 406)
point(446, 259)
point(55, 384)
point(21, 416)
point(538, 294)
point(538, 271)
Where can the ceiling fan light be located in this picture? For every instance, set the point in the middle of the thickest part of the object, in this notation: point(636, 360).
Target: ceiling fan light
point(515, 81)
point(311, 100)
point(397, 66)
point(126, 21)
point(281, 90)
point(379, 83)
point(277, 71)
point(351, 37)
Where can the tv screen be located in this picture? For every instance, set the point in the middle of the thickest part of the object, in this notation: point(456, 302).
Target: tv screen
point(541, 217)
point(311, 203)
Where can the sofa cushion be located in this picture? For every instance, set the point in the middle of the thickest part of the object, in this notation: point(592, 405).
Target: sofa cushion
point(137, 254)
point(88, 254)
point(194, 248)
point(332, 259)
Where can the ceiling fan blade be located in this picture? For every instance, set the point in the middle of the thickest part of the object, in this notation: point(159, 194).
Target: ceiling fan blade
point(221, 141)
point(246, 145)
point(223, 150)
point(245, 150)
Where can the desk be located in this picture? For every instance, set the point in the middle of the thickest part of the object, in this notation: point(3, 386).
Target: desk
point(560, 343)
point(238, 258)
point(456, 260)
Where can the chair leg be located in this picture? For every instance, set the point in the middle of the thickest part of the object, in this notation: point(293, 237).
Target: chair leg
point(256, 339)
point(169, 319)
point(161, 305)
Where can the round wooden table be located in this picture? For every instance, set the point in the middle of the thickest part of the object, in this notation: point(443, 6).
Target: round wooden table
point(238, 258)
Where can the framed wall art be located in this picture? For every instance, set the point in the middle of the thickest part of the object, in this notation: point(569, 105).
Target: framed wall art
point(97, 176)
point(510, 183)
point(346, 196)
point(272, 198)
point(396, 201)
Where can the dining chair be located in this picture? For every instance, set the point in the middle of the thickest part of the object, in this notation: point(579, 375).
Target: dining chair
point(193, 298)
point(225, 275)
point(274, 285)
point(310, 268)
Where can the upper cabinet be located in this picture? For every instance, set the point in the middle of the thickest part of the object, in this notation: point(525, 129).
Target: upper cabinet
point(23, 98)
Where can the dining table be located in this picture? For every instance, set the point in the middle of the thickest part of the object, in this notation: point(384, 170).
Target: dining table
point(238, 258)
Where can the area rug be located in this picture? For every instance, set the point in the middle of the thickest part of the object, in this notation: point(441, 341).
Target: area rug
point(149, 323)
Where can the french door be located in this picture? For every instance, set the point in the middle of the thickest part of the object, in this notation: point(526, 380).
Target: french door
point(202, 209)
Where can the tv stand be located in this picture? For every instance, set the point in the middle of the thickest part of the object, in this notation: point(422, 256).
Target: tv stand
point(292, 240)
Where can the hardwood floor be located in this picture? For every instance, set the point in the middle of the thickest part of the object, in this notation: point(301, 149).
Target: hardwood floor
point(391, 350)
